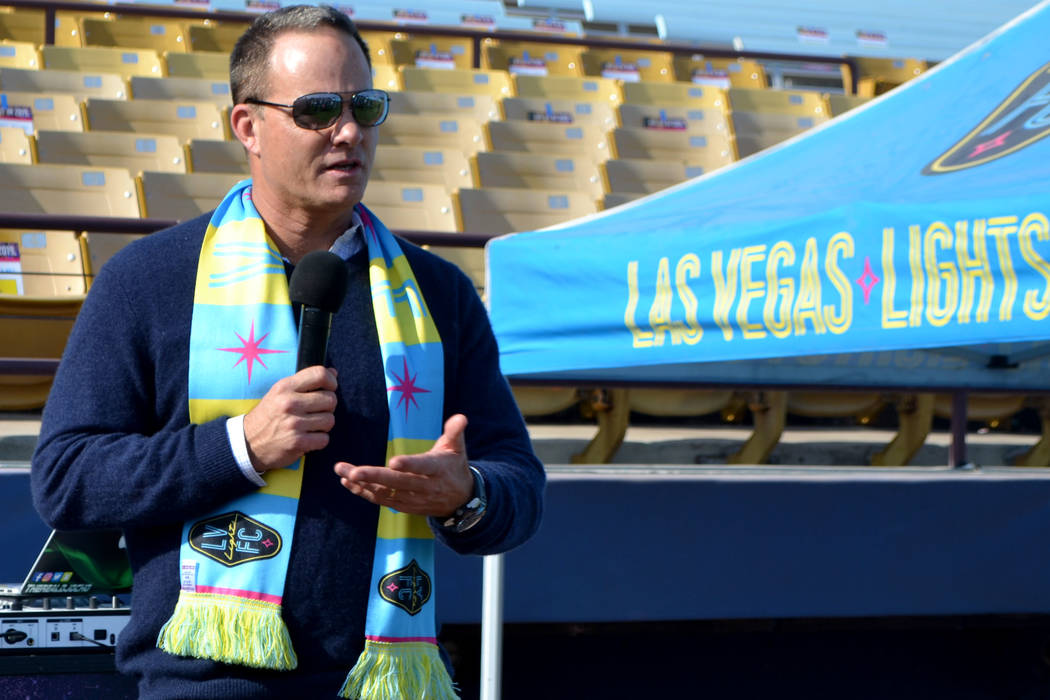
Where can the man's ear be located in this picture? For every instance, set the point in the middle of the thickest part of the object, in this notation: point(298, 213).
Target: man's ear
point(242, 122)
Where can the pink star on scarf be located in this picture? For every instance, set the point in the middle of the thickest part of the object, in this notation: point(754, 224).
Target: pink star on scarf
point(250, 350)
point(407, 387)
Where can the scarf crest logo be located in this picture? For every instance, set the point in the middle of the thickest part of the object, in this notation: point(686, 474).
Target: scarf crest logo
point(408, 588)
point(234, 538)
point(1020, 120)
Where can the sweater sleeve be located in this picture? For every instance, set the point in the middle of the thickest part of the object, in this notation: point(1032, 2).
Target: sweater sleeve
point(498, 444)
point(116, 448)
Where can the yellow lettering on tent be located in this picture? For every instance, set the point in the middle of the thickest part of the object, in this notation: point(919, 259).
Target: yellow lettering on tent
point(780, 288)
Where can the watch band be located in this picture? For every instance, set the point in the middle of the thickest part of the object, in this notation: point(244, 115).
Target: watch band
point(470, 513)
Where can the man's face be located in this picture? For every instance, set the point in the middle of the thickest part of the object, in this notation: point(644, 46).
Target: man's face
point(300, 172)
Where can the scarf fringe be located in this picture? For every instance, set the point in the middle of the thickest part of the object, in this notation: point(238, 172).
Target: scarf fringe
point(399, 670)
point(228, 629)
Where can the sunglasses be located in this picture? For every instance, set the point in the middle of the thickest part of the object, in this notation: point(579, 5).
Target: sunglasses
point(319, 110)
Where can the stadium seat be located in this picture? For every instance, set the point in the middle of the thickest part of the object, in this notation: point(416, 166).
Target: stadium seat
point(461, 133)
point(22, 24)
point(636, 176)
point(378, 43)
point(49, 262)
point(458, 82)
point(436, 52)
point(197, 64)
point(214, 37)
point(153, 33)
point(560, 111)
point(551, 139)
point(629, 66)
point(183, 119)
point(114, 149)
point(710, 121)
point(506, 210)
point(102, 59)
point(531, 58)
point(705, 151)
point(615, 199)
point(213, 156)
point(386, 76)
point(722, 73)
point(76, 83)
point(64, 189)
point(762, 118)
point(878, 75)
point(840, 104)
point(33, 327)
point(15, 145)
point(49, 111)
point(199, 89)
point(19, 54)
point(416, 164)
point(182, 196)
point(674, 94)
point(538, 171)
point(479, 107)
point(411, 206)
point(567, 87)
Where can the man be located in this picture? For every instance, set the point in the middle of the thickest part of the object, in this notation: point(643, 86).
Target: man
point(143, 431)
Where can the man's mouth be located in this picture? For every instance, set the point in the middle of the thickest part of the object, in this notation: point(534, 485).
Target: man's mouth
point(345, 166)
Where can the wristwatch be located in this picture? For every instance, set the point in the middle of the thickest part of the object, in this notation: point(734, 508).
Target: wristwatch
point(468, 514)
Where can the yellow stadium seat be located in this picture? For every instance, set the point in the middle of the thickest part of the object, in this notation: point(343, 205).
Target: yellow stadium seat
point(416, 164)
point(15, 145)
point(198, 64)
point(76, 83)
point(628, 65)
point(386, 77)
point(115, 149)
point(218, 38)
point(878, 75)
point(710, 121)
point(531, 58)
point(539, 137)
point(462, 133)
point(199, 89)
point(437, 52)
point(212, 156)
point(707, 152)
point(378, 43)
point(102, 59)
point(184, 119)
point(19, 54)
point(479, 107)
point(506, 210)
point(64, 189)
point(615, 199)
point(559, 111)
point(840, 104)
point(636, 176)
point(675, 94)
point(22, 24)
point(67, 26)
point(459, 82)
point(538, 171)
point(762, 118)
point(49, 264)
point(49, 111)
point(33, 327)
point(567, 87)
point(182, 196)
point(722, 73)
point(153, 33)
point(411, 206)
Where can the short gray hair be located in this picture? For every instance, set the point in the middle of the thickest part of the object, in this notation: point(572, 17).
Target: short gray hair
point(252, 51)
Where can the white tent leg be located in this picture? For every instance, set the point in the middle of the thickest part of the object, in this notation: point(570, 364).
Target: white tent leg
point(491, 626)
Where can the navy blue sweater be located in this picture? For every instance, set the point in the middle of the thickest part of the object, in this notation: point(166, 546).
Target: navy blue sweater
point(117, 449)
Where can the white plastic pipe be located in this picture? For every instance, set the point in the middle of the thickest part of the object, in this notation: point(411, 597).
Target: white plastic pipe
point(491, 626)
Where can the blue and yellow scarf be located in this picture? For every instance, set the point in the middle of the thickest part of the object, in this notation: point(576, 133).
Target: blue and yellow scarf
point(234, 560)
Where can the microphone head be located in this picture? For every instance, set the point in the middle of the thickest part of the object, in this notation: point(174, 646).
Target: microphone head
point(319, 280)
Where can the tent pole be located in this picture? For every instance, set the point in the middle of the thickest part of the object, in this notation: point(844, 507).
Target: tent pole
point(957, 450)
point(491, 626)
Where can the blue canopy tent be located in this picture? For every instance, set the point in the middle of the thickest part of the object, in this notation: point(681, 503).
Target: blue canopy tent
point(903, 245)
point(910, 234)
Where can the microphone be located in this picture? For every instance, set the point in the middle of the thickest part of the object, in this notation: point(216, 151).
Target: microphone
point(318, 283)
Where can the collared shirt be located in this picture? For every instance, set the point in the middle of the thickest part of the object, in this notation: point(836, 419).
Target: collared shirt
point(345, 247)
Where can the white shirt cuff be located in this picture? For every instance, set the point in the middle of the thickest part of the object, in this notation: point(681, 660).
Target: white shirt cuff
point(235, 432)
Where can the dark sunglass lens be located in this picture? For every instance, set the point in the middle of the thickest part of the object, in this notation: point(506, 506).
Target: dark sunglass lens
point(317, 111)
point(369, 107)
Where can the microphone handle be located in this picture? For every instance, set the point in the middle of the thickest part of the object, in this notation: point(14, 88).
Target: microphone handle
point(314, 327)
